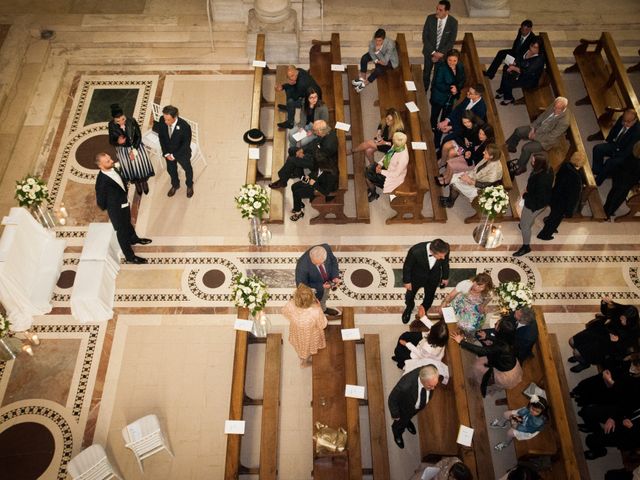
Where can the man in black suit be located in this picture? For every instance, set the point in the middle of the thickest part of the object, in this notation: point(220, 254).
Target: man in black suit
point(524, 321)
point(410, 395)
point(318, 269)
point(326, 142)
point(618, 145)
point(175, 140)
point(111, 195)
point(520, 45)
point(438, 36)
point(426, 266)
point(452, 125)
point(623, 179)
point(298, 83)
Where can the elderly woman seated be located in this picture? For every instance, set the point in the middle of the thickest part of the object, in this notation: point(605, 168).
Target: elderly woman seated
point(389, 173)
point(484, 174)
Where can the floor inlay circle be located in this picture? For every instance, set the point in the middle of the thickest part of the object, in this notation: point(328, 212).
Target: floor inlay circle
point(86, 151)
point(67, 277)
point(362, 278)
point(27, 450)
point(508, 275)
point(213, 278)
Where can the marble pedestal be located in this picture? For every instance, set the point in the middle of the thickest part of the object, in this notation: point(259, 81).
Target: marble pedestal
point(281, 39)
point(488, 8)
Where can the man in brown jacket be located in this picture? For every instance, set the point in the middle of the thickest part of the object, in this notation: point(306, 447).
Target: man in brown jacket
point(543, 134)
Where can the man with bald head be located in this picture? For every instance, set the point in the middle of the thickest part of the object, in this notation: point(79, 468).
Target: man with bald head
point(296, 87)
point(618, 145)
point(318, 269)
point(326, 142)
point(410, 395)
point(543, 134)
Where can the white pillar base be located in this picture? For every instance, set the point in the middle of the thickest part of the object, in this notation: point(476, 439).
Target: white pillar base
point(281, 38)
point(488, 8)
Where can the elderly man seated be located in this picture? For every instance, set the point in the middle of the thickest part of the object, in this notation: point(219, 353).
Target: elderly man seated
point(326, 142)
point(608, 156)
point(543, 134)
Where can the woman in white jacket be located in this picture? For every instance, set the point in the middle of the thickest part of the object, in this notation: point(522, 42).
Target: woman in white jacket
point(389, 172)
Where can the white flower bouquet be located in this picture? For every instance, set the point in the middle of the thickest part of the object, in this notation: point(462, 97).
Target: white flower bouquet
point(5, 326)
point(253, 201)
point(249, 292)
point(493, 201)
point(31, 191)
point(514, 295)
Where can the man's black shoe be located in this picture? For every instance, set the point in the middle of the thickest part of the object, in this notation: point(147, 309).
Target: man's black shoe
point(138, 260)
point(411, 428)
point(398, 440)
point(282, 107)
point(406, 315)
point(285, 124)
point(277, 184)
point(142, 241)
point(331, 312)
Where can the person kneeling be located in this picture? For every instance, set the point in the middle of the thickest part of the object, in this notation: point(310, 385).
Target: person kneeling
point(323, 178)
point(390, 172)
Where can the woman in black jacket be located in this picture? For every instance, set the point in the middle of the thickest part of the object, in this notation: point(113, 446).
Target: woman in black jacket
point(497, 363)
point(536, 197)
point(323, 178)
point(623, 179)
point(524, 72)
point(565, 197)
point(125, 136)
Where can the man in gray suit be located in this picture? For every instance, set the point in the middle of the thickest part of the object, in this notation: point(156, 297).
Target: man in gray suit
point(544, 133)
point(438, 36)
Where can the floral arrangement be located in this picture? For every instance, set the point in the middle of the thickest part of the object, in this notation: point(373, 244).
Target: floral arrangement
point(5, 325)
point(493, 201)
point(253, 201)
point(31, 191)
point(514, 295)
point(249, 292)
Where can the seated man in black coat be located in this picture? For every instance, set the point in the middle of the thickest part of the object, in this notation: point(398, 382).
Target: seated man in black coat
point(299, 81)
point(326, 142)
point(524, 72)
point(609, 155)
point(520, 45)
point(524, 320)
point(323, 179)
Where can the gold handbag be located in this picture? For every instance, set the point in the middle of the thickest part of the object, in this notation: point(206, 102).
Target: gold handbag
point(329, 439)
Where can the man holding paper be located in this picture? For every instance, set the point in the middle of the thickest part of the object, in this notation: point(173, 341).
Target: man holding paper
point(410, 395)
point(520, 45)
point(426, 266)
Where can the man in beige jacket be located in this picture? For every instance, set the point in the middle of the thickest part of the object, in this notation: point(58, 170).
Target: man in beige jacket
point(543, 134)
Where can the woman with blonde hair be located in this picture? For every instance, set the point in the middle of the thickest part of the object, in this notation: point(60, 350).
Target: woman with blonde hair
point(306, 323)
point(566, 193)
point(469, 300)
point(390, 123)
point(391, 170)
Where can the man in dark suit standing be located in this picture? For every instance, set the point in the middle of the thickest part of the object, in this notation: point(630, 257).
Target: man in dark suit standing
point(410, 395)
point(438, 36)
point(175, 140)
point(617, 146)
point(326, 142)
point(317, 268)
point(520, 45)
point(111, 195)
point(426, 266)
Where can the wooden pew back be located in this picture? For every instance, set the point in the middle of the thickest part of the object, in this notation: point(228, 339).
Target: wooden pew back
point(256, 102)
point(278, 151)
point(270, 408)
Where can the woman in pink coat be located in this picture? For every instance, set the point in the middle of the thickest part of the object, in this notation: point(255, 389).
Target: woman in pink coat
point(389, 172)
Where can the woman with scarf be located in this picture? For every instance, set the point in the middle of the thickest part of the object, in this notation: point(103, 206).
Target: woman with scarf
point(389, 173)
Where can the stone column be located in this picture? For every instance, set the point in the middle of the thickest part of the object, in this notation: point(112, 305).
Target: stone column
point(488, 8)
point(279, 22)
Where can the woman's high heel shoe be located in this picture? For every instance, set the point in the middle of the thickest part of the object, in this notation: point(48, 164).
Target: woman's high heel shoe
point(297, 216)
point(440, 181)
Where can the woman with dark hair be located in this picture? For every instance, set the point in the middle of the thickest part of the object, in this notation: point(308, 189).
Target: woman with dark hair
point(125, 136)
point(536, 197)
point(524, 72)
point(421, 345)
point(323, 178)
point(497, 364)
point(466, 156)
point(312, 110)
point(448, 80)
point(607, 338)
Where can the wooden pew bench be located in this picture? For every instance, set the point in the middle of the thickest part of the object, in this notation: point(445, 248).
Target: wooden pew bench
point(537, 99)
point(392, 93)
point(279, 150)
point(256, 104)
point(609, 90)
point(332, 94)
point(268, 465)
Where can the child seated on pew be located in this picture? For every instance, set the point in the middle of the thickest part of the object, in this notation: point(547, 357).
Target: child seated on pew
point(525, 422)
point(421, 345)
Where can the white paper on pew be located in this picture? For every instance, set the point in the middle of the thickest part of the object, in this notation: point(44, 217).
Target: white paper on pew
point(391, 197)
point(465, 436)
point(134, 431)
point(259, 63)
point(244, 325)
point(234, 427)
point(254, 153)
point(412, 107)
point(419, 145)
point(9, 220)
point(509, 59)
point(336, 67)
point(354, 391)
point(449, 315)
point(343, 126)
point(430, 473)
point(350, 334)
point(299, 136)
point(411, 86)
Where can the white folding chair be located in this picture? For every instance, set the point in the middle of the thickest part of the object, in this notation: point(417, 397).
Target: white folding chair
point(196, 152)
point(156, 112)
point(144, 438)
point(92, 464)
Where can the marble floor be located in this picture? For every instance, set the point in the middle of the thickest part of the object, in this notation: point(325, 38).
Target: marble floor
point(169, 348)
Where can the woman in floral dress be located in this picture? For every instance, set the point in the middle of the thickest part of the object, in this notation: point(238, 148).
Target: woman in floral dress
point(469, 301)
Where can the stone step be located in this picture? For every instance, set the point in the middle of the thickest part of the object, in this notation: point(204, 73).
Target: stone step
point(163, 56)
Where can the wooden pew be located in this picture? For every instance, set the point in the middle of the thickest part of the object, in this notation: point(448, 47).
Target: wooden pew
point(268, 466)
point(609, 90)
point(537, 99)
point(556, 438)
point(278, 151)
point(353, 404)
point(256, 104)
point(332, 94)
point(409, 196)
point(473, 71)
point(633, 202)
